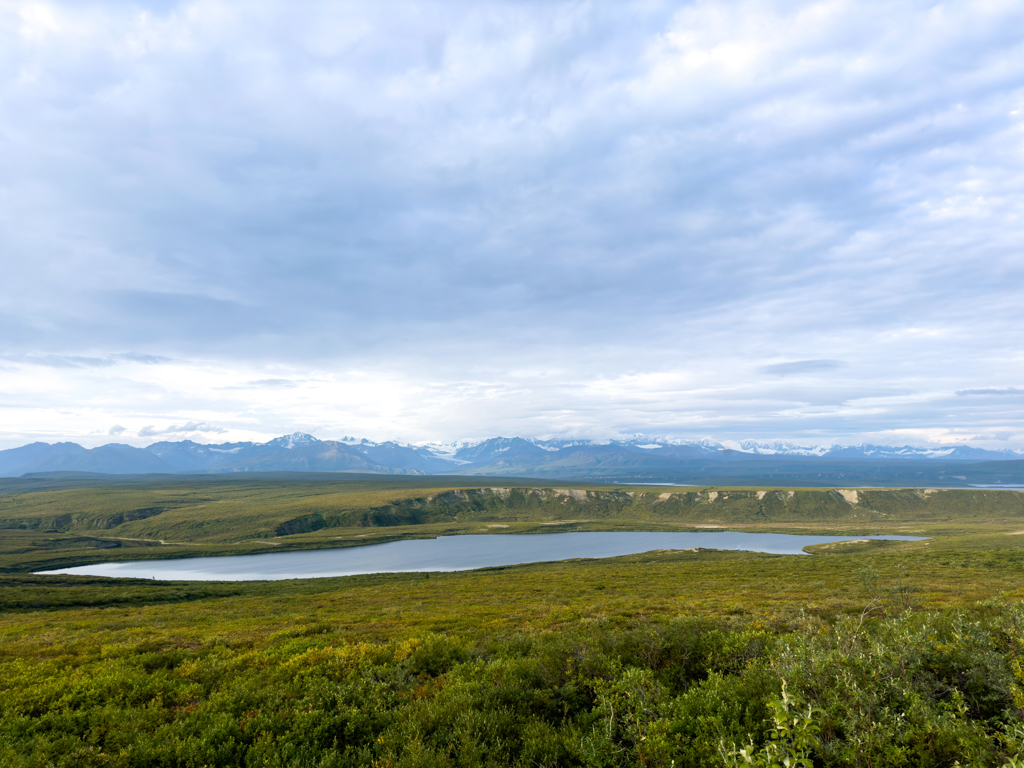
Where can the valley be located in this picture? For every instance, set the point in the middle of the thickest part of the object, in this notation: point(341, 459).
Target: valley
point(64, 521)
point(660, 658)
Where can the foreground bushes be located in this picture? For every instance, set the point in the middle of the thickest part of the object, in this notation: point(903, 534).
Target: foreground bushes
point(912, 690)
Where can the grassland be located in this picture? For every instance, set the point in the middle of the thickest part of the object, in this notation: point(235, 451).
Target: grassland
point(47, 523)
point(641, 660)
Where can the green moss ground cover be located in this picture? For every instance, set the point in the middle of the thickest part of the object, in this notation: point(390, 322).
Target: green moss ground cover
point(864, 654)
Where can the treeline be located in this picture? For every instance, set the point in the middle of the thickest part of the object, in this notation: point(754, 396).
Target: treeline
point(925, 689)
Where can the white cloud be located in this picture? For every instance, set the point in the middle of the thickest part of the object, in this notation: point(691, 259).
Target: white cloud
point(191, 427)
point(445, 219)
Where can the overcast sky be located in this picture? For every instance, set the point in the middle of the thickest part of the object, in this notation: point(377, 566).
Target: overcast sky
point(442, 220)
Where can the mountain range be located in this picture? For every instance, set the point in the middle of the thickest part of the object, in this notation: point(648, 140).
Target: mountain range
point(636, 459)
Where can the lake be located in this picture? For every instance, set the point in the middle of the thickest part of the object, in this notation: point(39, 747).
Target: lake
point(452, 553)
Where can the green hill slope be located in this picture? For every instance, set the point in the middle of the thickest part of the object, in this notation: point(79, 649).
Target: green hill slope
point(175, 516)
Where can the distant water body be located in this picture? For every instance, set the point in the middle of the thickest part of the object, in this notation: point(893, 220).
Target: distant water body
point(452, 553)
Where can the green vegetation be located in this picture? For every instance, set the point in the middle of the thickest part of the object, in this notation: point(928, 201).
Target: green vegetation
point(865, 654)
point(52, 523)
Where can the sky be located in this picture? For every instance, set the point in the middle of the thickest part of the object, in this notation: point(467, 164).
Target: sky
point(430, 221)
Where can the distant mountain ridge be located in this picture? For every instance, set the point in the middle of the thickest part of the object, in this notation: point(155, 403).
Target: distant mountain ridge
point(638, 456)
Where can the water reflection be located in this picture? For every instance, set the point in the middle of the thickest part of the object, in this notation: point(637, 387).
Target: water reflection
point(453, 553)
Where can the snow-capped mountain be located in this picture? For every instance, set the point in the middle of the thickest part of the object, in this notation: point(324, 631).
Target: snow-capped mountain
point(634, 456)
point(651, 442)
point(949, 452)
point(501, 449)
point(294, 440)
point(447, 450)
point(780, 447)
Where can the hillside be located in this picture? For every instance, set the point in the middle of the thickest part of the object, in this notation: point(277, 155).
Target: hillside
point(653, 659)
point(70, 520)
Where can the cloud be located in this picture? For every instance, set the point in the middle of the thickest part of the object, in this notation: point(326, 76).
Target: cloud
point(196, 426)
point(139, 357)
point(990, 391)
point(800, 366)
point(189, 427)
point(81, 361)
point(266, 384)
point(117, 429)
point(68, 361)
point(551, 209)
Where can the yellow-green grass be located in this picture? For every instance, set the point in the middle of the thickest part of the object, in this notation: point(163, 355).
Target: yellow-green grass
point(44, 528)
point(658, 585)
point(535, 657)
point(973, 552)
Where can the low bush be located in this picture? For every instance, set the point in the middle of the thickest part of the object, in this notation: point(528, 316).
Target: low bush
point(924, 689)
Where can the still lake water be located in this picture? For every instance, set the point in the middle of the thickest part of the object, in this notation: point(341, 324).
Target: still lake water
point(452, 553)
